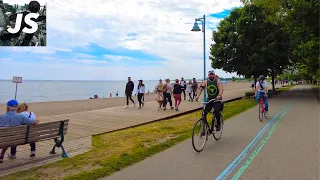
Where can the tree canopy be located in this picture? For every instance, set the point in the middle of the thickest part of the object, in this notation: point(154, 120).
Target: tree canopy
point(268, 37)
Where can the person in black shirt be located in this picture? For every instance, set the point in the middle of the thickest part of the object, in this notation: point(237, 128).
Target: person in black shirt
point(177, 90)
point(128, 91)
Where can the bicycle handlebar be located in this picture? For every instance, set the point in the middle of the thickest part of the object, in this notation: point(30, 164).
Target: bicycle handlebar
point(211, 101)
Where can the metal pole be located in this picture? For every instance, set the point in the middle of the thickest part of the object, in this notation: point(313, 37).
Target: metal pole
point(15, 94)
point(204, 54)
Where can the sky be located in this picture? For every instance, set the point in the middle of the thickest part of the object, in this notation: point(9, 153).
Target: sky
point(114, 39)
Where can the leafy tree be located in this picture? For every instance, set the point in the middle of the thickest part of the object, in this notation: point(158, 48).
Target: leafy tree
point(301, 19)
point(249, 45)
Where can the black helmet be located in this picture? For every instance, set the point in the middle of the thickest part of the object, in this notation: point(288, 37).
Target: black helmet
point(261, 77)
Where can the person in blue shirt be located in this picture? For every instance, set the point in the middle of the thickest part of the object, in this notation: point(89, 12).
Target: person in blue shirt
point(11, 119)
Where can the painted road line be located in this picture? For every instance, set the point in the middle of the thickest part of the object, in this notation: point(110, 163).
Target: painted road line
point(235, 163)
point(258, 149)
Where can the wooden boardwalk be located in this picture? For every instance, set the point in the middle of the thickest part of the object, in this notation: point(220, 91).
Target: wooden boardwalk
point(83, 125)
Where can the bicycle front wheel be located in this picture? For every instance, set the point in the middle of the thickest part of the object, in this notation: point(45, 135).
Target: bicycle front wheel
point(217, 134)
point(199, 135)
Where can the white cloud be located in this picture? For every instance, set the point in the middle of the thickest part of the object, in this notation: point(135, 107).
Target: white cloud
point(5, 59)
point(117, 58)
point(162, 28)
point(92, 61)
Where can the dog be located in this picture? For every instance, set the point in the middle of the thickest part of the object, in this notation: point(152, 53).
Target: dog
point(160, 101)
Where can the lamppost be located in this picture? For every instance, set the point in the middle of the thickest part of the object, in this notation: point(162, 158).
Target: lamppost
point(196, 29)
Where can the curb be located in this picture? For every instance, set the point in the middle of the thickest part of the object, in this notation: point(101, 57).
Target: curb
point(165, 118)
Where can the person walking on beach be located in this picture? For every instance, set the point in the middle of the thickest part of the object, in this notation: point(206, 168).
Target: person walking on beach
point(189, 89)
point(183, 85)
point(128, 92)
point(177, 90)
point(159, 89)
point(140, 92)
point(11, 119)
point(167, 94)
point(194, 87)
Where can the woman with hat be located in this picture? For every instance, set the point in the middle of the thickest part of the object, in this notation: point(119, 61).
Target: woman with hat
point(140, 93)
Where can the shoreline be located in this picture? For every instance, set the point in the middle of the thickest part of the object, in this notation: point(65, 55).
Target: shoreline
point(73, 106)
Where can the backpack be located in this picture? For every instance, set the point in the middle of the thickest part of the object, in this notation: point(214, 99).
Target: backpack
point(261, 86)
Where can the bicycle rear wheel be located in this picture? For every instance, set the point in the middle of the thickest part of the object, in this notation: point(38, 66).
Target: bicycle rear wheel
point(199, 135)
point(261, 113)
point(217, 134)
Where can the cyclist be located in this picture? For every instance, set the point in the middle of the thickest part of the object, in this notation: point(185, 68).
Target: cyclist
point(214, 91)
point(261, 91)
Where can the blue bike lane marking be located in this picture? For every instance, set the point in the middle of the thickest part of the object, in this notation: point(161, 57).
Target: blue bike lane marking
point(235, 163)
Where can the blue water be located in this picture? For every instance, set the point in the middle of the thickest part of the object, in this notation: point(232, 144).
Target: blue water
point(41, 91)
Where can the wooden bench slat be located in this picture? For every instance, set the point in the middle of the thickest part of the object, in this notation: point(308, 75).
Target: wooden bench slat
point(41, 138)
point(11, 133)
point(10, 129)
point(45, 126)
point(13, 138)
point(46, 131)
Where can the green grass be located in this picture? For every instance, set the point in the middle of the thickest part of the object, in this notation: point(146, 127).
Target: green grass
point(114, 151)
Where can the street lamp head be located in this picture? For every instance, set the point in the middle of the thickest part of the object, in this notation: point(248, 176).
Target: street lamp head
point(195, 27)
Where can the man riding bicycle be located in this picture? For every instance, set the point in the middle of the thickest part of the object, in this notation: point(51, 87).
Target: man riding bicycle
point(261, 91)
point(214, 91)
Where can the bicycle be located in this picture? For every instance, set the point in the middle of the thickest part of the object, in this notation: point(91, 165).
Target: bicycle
point(261, 109)
point(205, 129)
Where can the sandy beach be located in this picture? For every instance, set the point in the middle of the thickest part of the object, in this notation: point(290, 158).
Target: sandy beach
point(63, 107)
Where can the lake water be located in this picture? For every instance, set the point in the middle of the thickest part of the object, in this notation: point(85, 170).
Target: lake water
point(41, 91)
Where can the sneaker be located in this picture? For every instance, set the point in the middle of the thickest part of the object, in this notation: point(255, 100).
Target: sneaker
point(171, 108)
point(12, 156)
point(1, 160)
point(177, 109)
point(266, 114)
point(142, 104)
point(134, 104)
point(139, 107)
point(126, 107)
point(33, 154)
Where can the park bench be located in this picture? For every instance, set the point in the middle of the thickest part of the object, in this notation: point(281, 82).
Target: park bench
point(25, 134)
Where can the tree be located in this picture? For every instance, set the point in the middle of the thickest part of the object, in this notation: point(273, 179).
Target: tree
point(301, 19)
point(249, 45)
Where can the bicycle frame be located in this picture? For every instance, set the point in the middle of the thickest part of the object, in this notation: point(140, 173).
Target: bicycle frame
point(262, 104)
point(204, 107)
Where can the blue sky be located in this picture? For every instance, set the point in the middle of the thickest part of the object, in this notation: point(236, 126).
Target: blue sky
point(100, 40)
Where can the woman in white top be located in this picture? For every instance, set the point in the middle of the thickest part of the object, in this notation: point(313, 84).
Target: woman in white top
point(167, 94)
point(189, 89)
point(140, 92)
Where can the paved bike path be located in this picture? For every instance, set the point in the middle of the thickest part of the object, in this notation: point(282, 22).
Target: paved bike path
point(182, 162)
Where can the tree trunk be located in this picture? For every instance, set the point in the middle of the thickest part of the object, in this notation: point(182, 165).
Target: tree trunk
point(272, 77)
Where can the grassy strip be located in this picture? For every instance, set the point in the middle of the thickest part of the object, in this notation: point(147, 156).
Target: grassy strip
point(114, 151)
point(284, 89)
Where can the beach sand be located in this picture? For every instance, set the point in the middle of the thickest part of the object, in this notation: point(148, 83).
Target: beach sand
point(63, 107)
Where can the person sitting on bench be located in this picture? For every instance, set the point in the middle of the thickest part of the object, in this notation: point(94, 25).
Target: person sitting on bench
point(10, 119)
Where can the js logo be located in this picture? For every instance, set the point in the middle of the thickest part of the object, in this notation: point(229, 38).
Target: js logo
point(33, 7)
